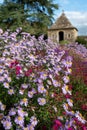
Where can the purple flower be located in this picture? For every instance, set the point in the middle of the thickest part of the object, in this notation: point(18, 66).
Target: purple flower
point(33, 121)
point(41, 88)
point(19, 120)
point(12, 112)
point(7, 125)
point(10, 91)
point(41, 101)
point(31, 93)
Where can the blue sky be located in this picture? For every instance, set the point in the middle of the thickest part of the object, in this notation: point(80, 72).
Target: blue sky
point(76, 11)
point(1, 1)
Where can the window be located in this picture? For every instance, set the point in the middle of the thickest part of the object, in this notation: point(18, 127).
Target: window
point(69, 35)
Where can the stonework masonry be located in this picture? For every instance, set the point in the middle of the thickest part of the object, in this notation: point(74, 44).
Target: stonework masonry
point(62, 29)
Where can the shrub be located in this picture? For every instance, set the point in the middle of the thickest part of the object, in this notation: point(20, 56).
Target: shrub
point(82, 41)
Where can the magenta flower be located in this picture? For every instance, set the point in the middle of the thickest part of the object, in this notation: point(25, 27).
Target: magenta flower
point(13, 64)
point(18, 69)
point(58, 122)
point(55, 127)
point(28, 72)
point(70, 128)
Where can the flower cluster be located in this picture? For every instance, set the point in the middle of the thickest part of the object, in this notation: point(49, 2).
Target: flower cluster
point(79, 49)
point(33, 72)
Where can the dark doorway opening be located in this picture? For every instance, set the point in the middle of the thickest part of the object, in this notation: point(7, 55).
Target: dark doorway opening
point(61, 36)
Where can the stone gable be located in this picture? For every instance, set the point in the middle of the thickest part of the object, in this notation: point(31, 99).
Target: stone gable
point(62, 29)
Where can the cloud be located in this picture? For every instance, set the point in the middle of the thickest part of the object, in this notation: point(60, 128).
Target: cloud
point(78, 19)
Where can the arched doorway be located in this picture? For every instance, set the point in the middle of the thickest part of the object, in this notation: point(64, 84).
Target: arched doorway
point(61, 36)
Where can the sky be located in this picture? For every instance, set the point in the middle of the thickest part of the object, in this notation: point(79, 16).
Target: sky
point(1, 1)
point(76, 12)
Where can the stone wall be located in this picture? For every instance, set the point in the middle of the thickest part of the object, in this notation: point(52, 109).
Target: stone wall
point(69, 34)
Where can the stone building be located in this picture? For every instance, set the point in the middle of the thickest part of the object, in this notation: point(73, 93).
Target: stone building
point(62, 29)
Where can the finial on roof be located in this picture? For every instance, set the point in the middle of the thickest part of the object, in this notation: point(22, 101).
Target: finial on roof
point(62, 11)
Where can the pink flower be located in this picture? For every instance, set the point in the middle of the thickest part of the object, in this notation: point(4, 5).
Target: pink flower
point(55, 127)
point(44, 127)
point(70, 128)
point(67, 96)
point(84, 107)
point(58, 122)
point(13, 64)
point(84, 128)
point(18, 69)
point(27, 73)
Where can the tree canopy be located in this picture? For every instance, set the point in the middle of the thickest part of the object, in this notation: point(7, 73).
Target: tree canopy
point(33, 16)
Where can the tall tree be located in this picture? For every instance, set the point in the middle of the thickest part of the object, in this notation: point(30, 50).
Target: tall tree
point(33, 16)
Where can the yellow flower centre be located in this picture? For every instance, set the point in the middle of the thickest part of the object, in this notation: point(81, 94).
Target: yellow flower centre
point(25, 100)
point(11, 90)
point(44, 75)
point(73, 112)
point(4, 106)
point(6, 84)
point(26, 128)
point(70, 70)
point(42, 88)
point(71, 101)
point(66, 88)
point(19, 118)
point(1, 70)
point(42, 100)
point(7, 124)
point(66, 105)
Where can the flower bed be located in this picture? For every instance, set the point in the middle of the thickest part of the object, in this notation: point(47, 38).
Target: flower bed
point(35, 89)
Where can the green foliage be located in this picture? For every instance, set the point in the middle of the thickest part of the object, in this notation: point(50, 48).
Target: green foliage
point(79, 92)
point(81, 40)
point(64, 42)
point(33, 16)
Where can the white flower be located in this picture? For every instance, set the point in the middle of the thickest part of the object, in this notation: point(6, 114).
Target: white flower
point(56, 83)
point(41, 88)
point(65, 89)
point(41, 101)
point(2, 106)
point(31, 93)
point(24, 86)
point(2, 79)
point(19, 120)
point(65, 106)
point(80, 117)
point(29, 127)
point(24, 102)
point(21, 91)
point(1, 71)
point(10, 91)
point(6, 85)
point(7, 125)
point(8, 79)
point(33, 121)
point(55, 108)
point(12, 112)
point(70, 102)
point(66, 79)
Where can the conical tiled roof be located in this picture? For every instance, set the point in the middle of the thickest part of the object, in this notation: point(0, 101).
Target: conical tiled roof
point(62, 23)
